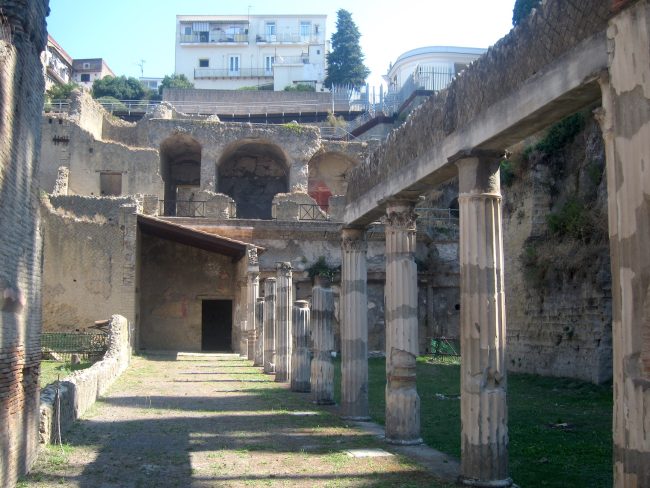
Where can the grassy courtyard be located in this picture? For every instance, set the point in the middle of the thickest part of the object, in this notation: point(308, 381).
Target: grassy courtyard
point(560, 429)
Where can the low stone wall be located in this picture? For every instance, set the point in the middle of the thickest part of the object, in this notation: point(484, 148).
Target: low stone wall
point(79, 391)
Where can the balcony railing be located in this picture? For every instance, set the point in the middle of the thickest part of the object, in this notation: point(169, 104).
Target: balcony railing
point(214, 37)
point(209, 73)
point(190, 208)
point(288, 38)
point(292, 60)
point(312, 212)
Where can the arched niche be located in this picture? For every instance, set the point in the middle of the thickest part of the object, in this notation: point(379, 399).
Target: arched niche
point(252, 172)
point(180, 169)
point(327, 176)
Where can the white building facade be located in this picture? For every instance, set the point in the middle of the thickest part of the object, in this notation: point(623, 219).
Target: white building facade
point(431, 67)
point(231, 52)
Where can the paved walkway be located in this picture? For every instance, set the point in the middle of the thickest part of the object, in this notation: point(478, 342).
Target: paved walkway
point(214, 420)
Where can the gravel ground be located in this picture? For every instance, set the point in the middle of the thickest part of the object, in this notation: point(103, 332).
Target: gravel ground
point(201, 420)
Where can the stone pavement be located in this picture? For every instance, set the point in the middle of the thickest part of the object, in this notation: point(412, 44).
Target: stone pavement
point(200, 420)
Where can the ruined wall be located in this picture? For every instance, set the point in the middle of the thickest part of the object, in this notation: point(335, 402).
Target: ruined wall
point(555, 28)
point(22, 38)
point(174, 278)
point(65, 143)
point(88, 262)
point(558, 283)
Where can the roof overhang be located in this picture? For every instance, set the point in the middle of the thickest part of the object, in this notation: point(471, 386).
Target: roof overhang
point(189, 236)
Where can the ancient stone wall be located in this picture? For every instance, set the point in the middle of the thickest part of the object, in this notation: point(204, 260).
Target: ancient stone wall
point(554, 28)
point(79, 391)
point(66, 143)
point(89, 260)
point(175, 278)
point(22, 38)
point(558, 288)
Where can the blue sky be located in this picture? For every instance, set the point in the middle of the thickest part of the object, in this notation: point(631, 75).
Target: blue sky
point(124, 32)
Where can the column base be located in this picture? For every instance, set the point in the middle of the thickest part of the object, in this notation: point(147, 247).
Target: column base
point(355, 418)
point(404, 442)
point(281, 378)
point(506, 483)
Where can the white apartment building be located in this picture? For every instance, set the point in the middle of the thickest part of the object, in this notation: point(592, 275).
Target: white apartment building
point(230, 52)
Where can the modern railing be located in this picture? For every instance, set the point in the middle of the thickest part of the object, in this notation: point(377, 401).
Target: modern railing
point(291, 60)
point(203, 73)
point(190, 208)
point(214, 38)
point(312, 212)
point(294, 38)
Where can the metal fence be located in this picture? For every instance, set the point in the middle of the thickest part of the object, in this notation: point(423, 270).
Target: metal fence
point(312, 212)
point(61, 345)
point(444, 347)
point(190, 208)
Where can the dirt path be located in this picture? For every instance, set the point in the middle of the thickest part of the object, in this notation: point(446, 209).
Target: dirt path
point(214, 420)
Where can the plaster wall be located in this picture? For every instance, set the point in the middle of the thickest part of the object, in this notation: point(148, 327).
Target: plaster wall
point(88, 273)
point(174, 279)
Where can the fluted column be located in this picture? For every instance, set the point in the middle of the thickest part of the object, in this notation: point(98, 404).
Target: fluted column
point(354, 325)
point(401, 292)
point(253, 288)
point(484, 434)
point(269, 325)
point(243, 316)
point(322, 332)
point(300, 355)
point(283, 322)
point(259, 332)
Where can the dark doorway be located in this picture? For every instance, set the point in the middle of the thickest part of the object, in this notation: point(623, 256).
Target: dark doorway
point(216, 325)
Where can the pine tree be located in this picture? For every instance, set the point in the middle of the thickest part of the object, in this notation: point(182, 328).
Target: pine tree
point(345, 62)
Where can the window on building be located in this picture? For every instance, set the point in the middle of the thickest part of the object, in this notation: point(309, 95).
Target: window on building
point(268, 64)
point(110, 183)
point(86, 66)
point(270, 30)
point(305, 30)
point(85, 77)
point(204, 63)
point(187, 30)
point(233, 65)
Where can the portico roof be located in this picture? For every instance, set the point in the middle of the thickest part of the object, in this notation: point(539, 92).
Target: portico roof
point(189, 236)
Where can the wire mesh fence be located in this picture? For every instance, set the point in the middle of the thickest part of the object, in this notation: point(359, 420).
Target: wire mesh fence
point(60, 346)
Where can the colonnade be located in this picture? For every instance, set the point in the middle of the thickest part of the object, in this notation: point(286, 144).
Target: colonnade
point(286, 326)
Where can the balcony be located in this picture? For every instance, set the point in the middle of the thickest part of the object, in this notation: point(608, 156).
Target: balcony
point(215, 37)
point(288, 38)
point(214, 74)
point(303, 59)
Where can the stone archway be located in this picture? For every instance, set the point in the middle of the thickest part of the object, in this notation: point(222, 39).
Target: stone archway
point(327, 176)
point(180, 169)
point(252, 172)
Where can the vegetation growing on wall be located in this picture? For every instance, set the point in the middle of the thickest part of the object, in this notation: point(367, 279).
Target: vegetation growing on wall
point(300, 87)
point(321, 268)
point(522, 9)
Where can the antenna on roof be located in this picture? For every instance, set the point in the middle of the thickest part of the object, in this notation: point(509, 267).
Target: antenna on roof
point(141, 64)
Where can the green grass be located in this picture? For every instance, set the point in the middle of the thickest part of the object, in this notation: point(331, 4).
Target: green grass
point(53, 370)
point(541, 454)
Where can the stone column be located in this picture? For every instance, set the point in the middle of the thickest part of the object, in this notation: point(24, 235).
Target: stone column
point(259, 332)
point(484, 437)
point(322, 332)
point(300, 354)
point(242, 314)
point(401, 295)
point(283, 322)
point(354, 325)
point(625, 123)
point(269, 325)
point(253, 287)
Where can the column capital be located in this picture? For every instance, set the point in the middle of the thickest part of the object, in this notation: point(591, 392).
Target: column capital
point(354, 239)
point(270, 279)
point(479, 176)
point(284, 268)
point(251, 254)
point(400, 214)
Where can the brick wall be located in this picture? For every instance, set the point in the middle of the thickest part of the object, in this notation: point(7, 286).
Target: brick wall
point(22, 38)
